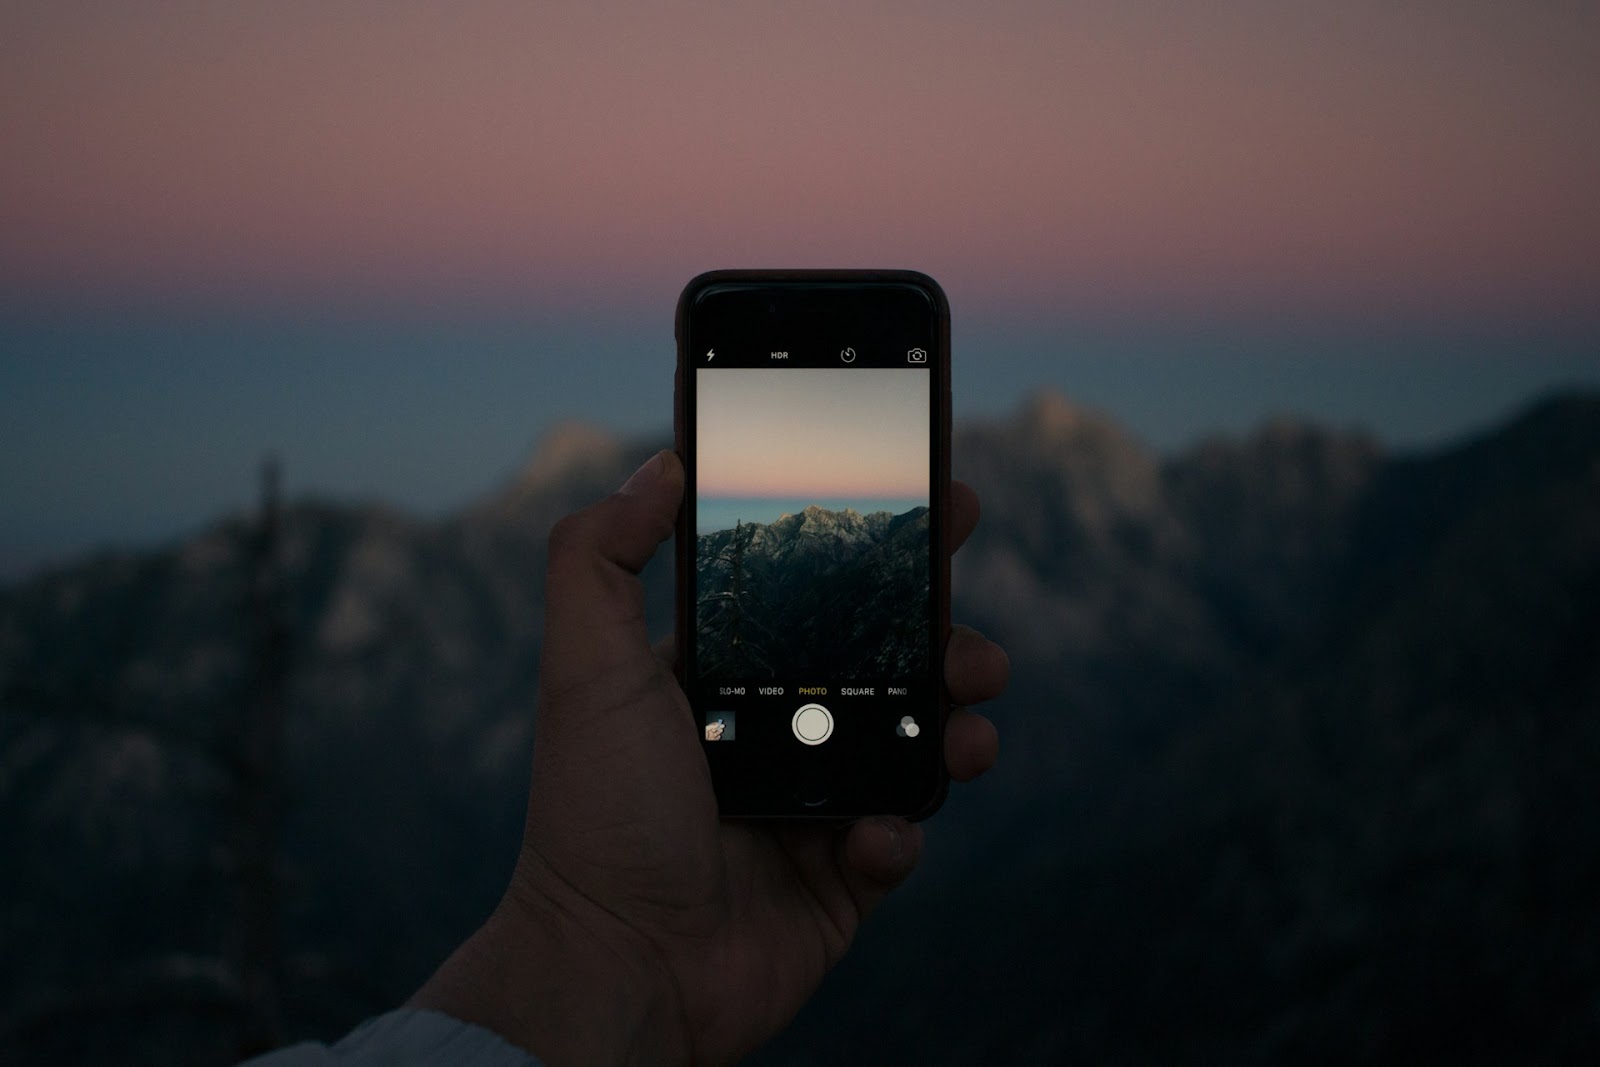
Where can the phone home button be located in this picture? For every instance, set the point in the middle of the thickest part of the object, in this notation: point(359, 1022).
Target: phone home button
point(812, 795)
point(812, 724)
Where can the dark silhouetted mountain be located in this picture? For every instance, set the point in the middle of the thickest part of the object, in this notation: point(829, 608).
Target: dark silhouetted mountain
point(821, 594)
point(1297, 758)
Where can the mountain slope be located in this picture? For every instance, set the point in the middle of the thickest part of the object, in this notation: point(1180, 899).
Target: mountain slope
point(1296, 757)
point(820, 594)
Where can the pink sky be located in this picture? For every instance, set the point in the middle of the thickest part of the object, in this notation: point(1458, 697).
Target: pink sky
point(1369, 159)
point(823, 433)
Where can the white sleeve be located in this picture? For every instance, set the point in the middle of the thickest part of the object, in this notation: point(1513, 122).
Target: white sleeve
point(405, 1038)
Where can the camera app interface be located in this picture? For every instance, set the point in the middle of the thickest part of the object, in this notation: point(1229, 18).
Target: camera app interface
point(812, 539)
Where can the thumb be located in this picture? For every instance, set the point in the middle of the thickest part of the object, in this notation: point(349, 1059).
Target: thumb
point(876, 856)
point(595, 632)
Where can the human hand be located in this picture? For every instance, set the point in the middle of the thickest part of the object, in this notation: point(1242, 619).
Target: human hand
point(638, 926)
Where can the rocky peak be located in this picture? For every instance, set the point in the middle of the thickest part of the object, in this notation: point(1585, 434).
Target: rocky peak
point(567, 450)
point(1074, 456)
point(571, 463)
point(1050, 417)
point(1051, 412)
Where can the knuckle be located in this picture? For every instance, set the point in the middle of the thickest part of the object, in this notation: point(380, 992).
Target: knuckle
point(569, 534)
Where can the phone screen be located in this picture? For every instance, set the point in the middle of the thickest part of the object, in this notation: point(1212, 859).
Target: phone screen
point(813, 586)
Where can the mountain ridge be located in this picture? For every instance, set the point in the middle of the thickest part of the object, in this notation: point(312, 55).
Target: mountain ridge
point(1295, 749)
point(821, 592)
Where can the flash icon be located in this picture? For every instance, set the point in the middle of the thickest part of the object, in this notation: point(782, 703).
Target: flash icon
point(711, 354)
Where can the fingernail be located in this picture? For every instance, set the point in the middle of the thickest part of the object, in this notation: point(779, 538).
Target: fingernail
point(897, 840)
point(645, 478)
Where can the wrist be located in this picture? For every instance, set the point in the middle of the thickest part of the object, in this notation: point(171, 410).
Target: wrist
point(562, 984)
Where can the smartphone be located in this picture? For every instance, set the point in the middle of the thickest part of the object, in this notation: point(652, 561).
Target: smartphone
point(813, 418)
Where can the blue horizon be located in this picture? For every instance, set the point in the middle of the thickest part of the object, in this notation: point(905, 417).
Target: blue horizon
point(129, 429)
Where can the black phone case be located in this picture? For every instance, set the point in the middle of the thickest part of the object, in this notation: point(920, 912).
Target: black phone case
point(684, 540)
